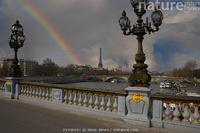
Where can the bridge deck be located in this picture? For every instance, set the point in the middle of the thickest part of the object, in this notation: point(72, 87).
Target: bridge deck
point(24, 117)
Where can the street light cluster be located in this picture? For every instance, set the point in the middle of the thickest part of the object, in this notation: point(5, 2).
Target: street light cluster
point(140, 76)
point(16, 41)
point(140, 9)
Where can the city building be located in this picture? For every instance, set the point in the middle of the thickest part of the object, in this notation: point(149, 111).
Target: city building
point(26, 66)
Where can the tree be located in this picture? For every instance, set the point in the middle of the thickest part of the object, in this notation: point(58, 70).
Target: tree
point(189, 68)
point(48, 68)
point(191, 65)
point(187, 71)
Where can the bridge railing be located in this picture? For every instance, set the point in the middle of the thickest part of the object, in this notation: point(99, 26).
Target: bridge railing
point(134, 105)
point(175, 110)
point(103, 100)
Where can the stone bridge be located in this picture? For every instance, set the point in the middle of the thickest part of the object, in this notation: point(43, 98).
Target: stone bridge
point(107, 78)
point(132, 105)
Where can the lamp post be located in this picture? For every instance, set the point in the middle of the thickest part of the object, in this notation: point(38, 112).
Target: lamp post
point(16, 41)
point(140, 76)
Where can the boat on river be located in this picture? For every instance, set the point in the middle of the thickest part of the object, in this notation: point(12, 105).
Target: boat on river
point(166, 84)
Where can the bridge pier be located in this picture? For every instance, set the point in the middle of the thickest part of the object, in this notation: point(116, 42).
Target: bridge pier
point(10, 88)
point(138, 102)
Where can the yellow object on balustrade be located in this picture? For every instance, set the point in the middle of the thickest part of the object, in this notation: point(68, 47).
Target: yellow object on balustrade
point(196, 104)
point(168, 102)
point(186, 104)
point(103, 95)
point(176, 102)
point(115, 110)
point(109, 95)
point(137, 97)
point(90, 93)
point(115, 96)
point(8, 83)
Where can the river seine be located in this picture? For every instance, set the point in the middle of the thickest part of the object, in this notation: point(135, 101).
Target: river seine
point(115, 86)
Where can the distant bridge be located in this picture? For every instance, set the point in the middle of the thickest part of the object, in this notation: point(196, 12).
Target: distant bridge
point(107, 78)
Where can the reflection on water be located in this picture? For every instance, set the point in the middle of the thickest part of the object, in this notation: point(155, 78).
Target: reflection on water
point(116, 86)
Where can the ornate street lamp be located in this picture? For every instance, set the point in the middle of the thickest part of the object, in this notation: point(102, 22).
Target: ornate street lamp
point(140, 76)
point(16, 41)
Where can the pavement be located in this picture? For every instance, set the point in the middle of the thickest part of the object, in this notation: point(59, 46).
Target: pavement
point(18, 116)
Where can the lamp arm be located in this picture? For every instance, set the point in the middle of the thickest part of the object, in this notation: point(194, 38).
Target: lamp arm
point(150, 30)
point(127, 34)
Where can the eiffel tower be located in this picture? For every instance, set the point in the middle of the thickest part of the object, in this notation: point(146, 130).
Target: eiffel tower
point(100, 61)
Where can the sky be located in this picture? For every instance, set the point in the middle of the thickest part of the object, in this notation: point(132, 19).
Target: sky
point(73, 31)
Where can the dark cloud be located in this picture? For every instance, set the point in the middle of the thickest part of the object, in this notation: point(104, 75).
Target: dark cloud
point(89, 25)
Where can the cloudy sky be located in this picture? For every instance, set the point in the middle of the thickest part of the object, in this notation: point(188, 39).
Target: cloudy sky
point(88, 25)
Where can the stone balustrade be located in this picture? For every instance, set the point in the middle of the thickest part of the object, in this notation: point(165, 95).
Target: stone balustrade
point(171, 110)
point(133, 104)
point(94, 99)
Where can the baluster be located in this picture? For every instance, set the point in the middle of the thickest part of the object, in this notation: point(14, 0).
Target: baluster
point(91, 100)
point(167, 111)
point(85, 101)
point(102, 102)
point(65, 98)
point(70, 97)
point(108, 103)
point(30, 91)
point(186, 113)
point(25, 90)
point(3, 86)
point(37, 92)
point(75, 100)
point(43, 93)
point(47, 94)
point(80, 99)
point(50, 93)
point(40, 92)
point(96, 103)
point(33, 91)
point(176, 112)
point(22, 90)
point(196, 115)
point(115, 105)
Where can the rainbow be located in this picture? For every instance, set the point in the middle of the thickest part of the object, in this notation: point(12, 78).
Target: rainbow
point(45, 25)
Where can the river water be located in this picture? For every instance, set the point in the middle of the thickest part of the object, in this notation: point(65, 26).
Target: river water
point(116, 86)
